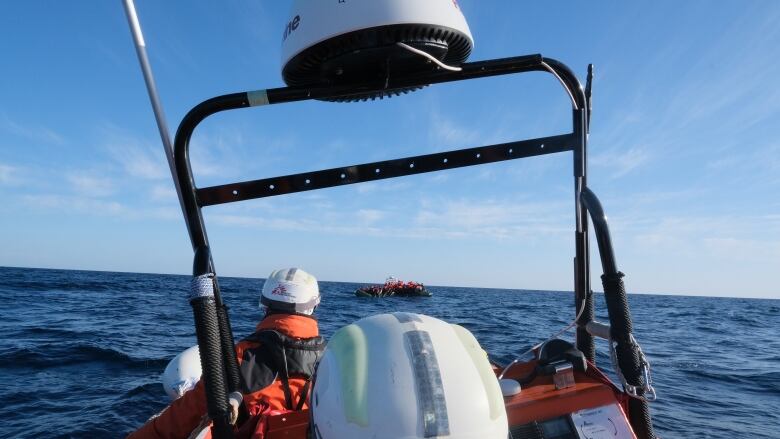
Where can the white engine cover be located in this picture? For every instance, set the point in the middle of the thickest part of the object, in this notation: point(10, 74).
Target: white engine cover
point(314, 21)
point(405, 375)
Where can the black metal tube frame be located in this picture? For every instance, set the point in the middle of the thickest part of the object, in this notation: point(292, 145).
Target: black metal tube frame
point(195, 198)
point(628, 354)
point(601, 230)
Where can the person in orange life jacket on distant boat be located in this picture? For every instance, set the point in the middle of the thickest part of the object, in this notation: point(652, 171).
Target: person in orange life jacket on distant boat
point(276, 363)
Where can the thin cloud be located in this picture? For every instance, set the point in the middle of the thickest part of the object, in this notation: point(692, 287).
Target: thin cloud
point(439, 177)
point(31, 131)
point(8, 174)
point(621, 163)
point(139, 158)
point(266, 223)
point(164, 213)
point(110, 54)
point(740, 250)
point(446, 131)
point(643, 202)
point(91, 185)
point(214, 155)
point(86, 206)
point(290, 223)
point(694, 231)
point(760, 165)
point(374, 187)
point(732, 255)
point(163, 193)
point(370, 215)
point(495, 218)
point(699, 108)
point(491, 219)
point(69, 204)
point(725, 90)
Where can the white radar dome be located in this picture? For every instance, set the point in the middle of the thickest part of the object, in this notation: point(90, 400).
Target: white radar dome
point(182, 373)
point(404, 375)
point(356, 41)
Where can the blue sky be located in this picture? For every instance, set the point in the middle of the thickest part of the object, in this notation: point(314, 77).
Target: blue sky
point(682, 151)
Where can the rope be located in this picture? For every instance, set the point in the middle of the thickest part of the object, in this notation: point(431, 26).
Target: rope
point(538, 345)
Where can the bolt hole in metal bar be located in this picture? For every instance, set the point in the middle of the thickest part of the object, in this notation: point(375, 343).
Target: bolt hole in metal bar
point(288, 184)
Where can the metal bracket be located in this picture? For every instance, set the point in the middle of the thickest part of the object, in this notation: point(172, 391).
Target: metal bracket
point(563, 377)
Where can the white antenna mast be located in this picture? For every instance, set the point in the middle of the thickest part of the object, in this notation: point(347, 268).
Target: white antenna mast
point(159, 115)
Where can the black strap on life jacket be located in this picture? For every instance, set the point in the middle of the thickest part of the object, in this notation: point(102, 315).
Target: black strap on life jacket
point(280, 357)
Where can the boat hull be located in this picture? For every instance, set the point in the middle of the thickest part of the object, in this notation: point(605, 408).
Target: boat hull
point(395, 292)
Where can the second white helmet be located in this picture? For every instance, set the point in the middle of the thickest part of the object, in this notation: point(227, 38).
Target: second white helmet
point(291, 290)
point(182, 373)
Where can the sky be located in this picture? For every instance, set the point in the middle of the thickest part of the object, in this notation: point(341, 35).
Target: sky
point(682, 149)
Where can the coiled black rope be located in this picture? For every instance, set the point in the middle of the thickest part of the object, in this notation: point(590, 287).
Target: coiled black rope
point(627, 351)
point(228, 350)
point(207, 331)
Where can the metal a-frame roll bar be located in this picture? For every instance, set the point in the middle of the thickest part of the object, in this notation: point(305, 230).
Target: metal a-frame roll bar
point(215, 338)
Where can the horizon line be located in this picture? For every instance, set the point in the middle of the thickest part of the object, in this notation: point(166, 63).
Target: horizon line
point(373, 283)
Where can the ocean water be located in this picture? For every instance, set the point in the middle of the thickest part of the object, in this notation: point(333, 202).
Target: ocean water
point(81, 352)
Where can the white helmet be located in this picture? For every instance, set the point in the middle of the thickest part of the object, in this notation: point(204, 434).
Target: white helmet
point(291, 290)
point(182, 373)
point(405, 375)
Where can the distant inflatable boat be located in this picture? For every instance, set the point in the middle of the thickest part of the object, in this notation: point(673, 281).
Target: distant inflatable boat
point(394, 287)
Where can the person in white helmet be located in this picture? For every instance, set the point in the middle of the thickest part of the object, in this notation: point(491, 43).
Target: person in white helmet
point(276, 362)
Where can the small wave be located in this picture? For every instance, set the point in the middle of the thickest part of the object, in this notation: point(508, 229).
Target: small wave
point(59, 333)
point(760, 382)
point(148, 389)
point(680, 314)
point(60, 286)
point(744, 319)
point(54, 355)
point(709, 329)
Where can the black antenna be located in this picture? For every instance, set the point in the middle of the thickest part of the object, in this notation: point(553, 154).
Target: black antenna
point(588, 93)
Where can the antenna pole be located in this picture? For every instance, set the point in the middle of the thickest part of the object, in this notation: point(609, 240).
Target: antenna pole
point(211, 321)
point(151, 87)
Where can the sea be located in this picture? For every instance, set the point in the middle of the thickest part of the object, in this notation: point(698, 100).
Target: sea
point(81, 352)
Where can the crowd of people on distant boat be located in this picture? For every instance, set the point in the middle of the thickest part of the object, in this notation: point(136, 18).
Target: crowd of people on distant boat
point(393, 287)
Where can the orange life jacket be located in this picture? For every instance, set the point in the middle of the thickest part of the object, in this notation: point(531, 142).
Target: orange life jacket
point(262, 394)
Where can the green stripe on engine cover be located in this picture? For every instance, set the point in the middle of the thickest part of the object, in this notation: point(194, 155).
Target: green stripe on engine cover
point(481, 363)
point(350, 349)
